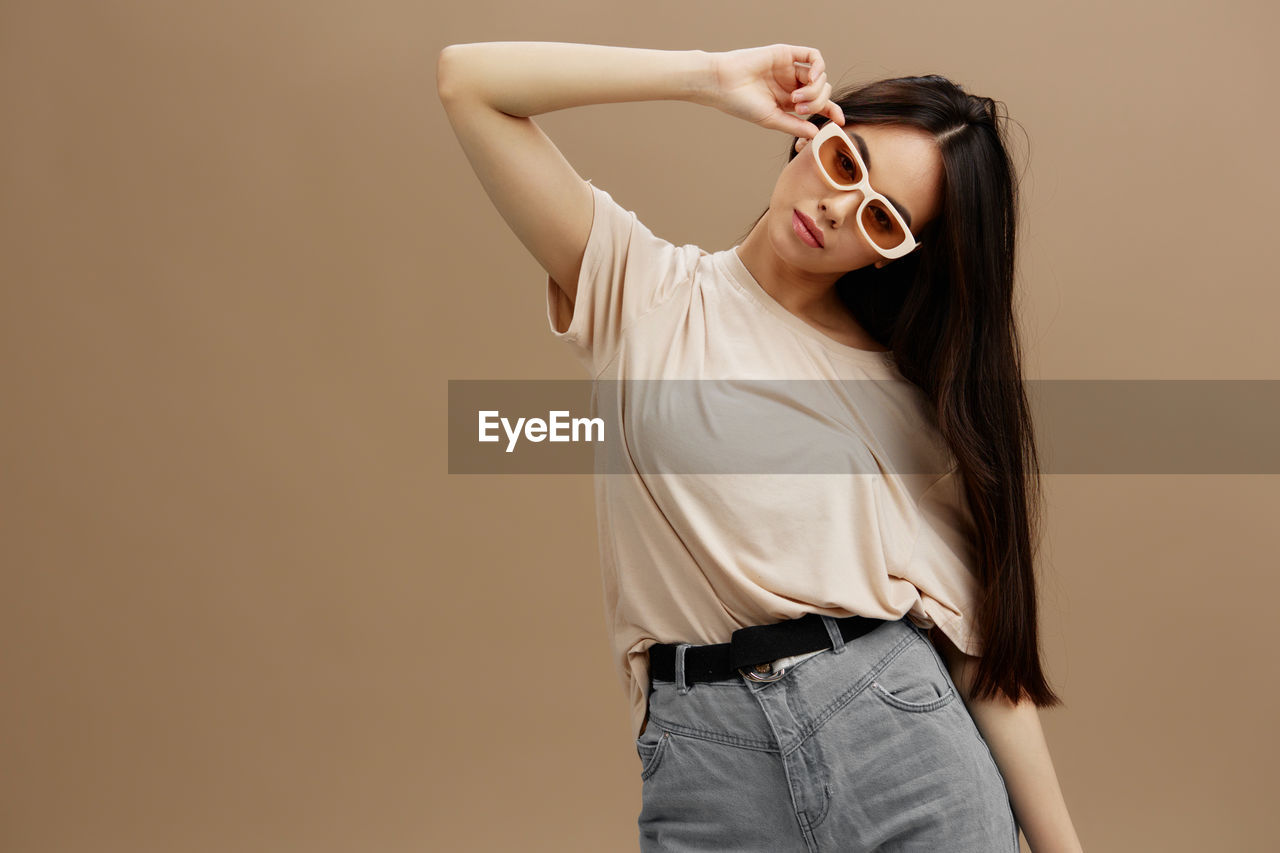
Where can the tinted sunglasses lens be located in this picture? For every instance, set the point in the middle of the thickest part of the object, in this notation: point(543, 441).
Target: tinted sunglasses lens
point(839, 162)
point(882, 226)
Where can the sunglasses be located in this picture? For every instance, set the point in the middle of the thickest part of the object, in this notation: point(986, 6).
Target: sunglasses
point(841, 164)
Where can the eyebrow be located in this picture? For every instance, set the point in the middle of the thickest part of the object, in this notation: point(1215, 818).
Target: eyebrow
point(866, 158)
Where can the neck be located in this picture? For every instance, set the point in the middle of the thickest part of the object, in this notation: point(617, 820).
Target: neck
point(810, 296)
point(802, 293)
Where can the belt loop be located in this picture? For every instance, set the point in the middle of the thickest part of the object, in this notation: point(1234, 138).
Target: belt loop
point(681, 687)
point(833, 629)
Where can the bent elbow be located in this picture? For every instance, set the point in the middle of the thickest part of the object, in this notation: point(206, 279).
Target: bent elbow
point(447, 78)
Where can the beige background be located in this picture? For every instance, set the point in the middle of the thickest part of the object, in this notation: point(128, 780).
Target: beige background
point(246, 608)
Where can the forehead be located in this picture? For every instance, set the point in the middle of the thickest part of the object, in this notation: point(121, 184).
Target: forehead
point(904, 163)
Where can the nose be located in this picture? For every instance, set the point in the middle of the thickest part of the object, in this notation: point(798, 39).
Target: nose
point(839, 207)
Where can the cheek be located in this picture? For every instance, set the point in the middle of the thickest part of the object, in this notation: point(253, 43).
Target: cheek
point(783, 189)
point(793, 178)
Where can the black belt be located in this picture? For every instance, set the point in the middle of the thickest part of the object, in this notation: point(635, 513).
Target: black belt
point(753, 646)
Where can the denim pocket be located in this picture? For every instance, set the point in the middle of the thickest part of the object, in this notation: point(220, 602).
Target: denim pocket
point(651, 746)
point(914, 679)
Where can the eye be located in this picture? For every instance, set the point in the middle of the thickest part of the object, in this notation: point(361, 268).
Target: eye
point(882, 218)
point(846, 165)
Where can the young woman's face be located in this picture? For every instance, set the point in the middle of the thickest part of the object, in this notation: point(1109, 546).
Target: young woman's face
point(902, 163)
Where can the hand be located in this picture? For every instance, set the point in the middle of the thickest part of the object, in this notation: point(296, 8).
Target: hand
point(763, 84)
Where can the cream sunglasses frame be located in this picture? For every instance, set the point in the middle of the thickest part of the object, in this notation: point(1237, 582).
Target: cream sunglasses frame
point(831, 129)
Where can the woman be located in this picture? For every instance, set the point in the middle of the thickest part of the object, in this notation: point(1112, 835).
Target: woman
point(793, 645)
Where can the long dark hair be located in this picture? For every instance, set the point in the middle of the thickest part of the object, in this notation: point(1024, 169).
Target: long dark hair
point(946, 311)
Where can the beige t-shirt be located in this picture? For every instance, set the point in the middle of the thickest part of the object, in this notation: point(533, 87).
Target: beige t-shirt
point(691, 557)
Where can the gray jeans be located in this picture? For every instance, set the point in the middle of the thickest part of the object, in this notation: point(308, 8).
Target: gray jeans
point(866, 746)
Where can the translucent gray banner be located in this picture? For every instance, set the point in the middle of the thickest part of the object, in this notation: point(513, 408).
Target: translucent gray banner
point(859, 426)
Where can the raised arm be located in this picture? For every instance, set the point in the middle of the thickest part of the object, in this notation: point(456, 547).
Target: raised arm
point(490, 89)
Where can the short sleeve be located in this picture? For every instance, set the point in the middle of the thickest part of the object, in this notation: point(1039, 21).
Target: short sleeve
point(627, 271)
point(942, 564)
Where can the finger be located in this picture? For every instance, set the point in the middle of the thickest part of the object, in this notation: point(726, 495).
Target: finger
point(833, 110)
point(818, 104)
point(809, 56)
point(804, 74)
point(806, 93)
point(791, 125)
point(819, 65)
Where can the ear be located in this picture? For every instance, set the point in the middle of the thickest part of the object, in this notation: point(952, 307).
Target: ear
point(882, 263)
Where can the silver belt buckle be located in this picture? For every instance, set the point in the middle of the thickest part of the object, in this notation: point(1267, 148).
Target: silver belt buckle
point(754, 672)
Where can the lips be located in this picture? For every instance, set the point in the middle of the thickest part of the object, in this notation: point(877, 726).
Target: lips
point(806, 227)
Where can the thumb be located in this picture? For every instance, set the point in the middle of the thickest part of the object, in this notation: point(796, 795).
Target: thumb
point(791, 125)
